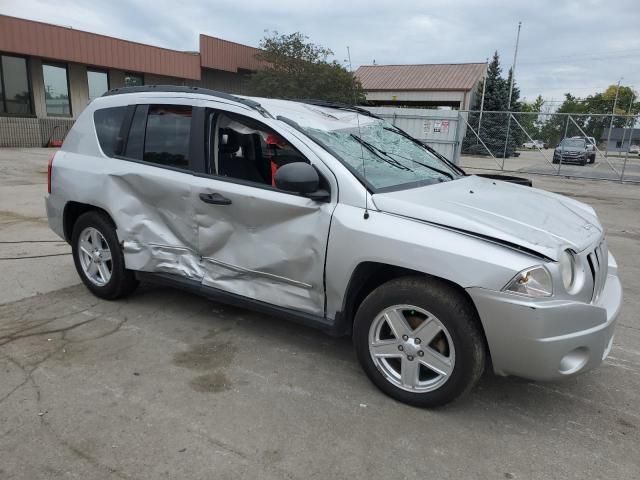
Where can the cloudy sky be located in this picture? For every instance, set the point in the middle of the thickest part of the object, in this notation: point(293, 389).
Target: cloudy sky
point(565, 46)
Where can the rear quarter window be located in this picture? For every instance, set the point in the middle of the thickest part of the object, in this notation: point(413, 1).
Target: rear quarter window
point(108, 122)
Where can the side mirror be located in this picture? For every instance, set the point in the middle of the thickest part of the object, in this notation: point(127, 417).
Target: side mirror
point(297, 177)
point(302, 178)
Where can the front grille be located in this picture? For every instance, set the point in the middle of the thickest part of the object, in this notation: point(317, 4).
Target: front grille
point(598, 263)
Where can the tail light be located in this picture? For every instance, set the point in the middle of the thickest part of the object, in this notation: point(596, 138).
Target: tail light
point(49, 168)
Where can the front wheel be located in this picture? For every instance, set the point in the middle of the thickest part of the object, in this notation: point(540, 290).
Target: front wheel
point(419, 341)
point(98, 258)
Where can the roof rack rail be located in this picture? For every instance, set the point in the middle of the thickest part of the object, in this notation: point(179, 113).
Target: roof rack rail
point(337, 105)
point(185, 89)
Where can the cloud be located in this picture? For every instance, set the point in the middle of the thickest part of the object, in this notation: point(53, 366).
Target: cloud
point(571, 46)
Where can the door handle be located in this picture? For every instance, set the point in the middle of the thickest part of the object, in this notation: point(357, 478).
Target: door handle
point(215, 199)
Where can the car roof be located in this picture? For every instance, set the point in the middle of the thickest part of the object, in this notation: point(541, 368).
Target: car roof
point(319, 114)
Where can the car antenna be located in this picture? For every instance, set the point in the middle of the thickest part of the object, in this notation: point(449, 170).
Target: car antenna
point(364, 171)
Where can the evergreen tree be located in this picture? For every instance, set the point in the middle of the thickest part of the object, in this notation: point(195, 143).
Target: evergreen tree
point(493, 129)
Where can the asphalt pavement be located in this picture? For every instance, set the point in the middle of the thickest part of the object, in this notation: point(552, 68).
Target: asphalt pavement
point(165, 384)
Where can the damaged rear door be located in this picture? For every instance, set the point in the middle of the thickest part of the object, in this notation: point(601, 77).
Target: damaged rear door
point(255, 240)
point(152, 188)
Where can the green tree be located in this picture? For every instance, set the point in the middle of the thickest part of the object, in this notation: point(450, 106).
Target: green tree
point(555, 127)
point(588, 114)
point(492, 127)
point(297, 68)
point(532, 123)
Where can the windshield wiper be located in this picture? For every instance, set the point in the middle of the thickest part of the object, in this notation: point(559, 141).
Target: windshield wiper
point(426, 147)
point(441, 172)
point(372, 149)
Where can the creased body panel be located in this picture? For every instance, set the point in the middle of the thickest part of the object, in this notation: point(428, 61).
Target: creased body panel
point(540, 221)
point(266, 245)
point(153, 209)
point(156, 221)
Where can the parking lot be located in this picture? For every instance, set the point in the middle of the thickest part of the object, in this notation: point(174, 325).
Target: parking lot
point(535, 161)
point(165, 384)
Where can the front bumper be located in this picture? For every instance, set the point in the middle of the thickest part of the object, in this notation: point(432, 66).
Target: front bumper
point(547, 339)
point(564, 158)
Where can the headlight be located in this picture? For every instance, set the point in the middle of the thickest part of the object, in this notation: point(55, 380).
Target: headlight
point(567, 269)
point(533, 282)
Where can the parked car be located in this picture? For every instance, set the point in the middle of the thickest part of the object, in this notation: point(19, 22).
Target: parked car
point(330, 216)
point(591, 147)
point(538, 144)
point(634, 149)
point(572, 150)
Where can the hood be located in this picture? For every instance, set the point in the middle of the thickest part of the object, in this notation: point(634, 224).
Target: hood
point(543, 222)
point(568, 148)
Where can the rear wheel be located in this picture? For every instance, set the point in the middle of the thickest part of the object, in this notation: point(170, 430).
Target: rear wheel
point(98, 258)
point(419, 341)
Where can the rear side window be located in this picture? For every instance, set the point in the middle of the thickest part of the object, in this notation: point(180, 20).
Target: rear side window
point(108, 122)
point(135, 140)
point(167, 136)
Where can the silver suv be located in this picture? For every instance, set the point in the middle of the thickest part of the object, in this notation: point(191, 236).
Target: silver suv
point(332, 217)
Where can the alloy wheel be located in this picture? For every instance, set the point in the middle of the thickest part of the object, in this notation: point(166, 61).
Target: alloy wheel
point(411, 348)
point(95, 256)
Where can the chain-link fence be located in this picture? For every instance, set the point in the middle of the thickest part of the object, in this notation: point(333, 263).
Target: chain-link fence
point(593, 146)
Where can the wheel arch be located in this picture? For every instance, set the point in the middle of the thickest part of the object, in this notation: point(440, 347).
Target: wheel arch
point(368, 276)
point(73, 210)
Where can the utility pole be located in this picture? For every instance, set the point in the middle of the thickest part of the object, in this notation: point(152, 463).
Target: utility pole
point(513, 76)
point(513, 68)
point(613, 111)
point(484, 89)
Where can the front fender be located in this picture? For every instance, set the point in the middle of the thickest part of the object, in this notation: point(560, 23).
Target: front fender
point(388, 239)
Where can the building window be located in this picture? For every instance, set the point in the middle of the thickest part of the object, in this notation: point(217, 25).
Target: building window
point(15, 94)
point(98, 83)
point(133, 80)
point(56, 90)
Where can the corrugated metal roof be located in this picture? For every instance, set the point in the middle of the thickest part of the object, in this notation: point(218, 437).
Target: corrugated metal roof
point(450, 76)
point(225, 55)
point(28, 37)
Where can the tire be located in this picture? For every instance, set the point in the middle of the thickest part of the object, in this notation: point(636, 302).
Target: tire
point(592, 159)
point(114, 282)
point(583, 162)
point(458, 326)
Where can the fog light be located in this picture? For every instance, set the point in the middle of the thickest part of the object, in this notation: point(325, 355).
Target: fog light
point(573, 361)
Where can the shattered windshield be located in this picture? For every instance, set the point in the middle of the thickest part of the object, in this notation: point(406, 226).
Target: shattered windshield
point(384, 157)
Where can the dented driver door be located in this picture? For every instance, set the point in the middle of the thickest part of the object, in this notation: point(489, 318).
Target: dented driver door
point(263, 244)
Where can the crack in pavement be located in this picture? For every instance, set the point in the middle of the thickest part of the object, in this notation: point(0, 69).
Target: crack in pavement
point(28, 372)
